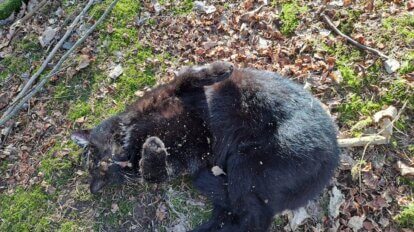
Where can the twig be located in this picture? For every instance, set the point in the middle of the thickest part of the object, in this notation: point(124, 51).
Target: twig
point(362, 141)
point(37, 88)
point(16, 26)
point(369, 143)
point(350, 40)
point(30, 14)
point(32, 79)
point(249, 14)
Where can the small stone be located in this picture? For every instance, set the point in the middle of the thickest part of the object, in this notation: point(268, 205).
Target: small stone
point(391, 65)
point(47, 36)
point(116, 71)
point(324, 32)
point(356, 222)
point(67, 45)
point(263, 43)
point(335, 202)
point(201, 6)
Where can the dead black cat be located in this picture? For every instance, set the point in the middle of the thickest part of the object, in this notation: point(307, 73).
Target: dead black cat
point(254, 143)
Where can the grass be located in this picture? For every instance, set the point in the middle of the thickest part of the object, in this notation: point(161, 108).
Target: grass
point(404, 26)
point(178, 7)
point(181, 200)
point(25, 210)
point(7, 7)
point(290, 17)
point(359, 100)
point(34, 210)
point(405, 218)
point(347, 25)
point(28, 51)
point(58, 164)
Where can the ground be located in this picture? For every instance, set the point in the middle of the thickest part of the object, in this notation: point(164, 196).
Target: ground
point(44, 184)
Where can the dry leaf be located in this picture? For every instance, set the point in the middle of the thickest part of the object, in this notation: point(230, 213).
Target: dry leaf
point(84, 62)
point(356, 222)
point(297, 217)
point(405, 170)
point(114, 207)
point(47, 36)
point(335, 202)
point(410, 5)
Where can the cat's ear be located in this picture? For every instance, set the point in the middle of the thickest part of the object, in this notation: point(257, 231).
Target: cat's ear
point(81, 137)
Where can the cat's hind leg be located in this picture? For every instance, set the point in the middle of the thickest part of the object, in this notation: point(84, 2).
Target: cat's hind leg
point(214, 187)
point(199, 76)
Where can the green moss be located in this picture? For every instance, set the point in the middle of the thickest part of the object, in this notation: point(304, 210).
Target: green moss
point(7, 7)
point(3, 167)
point(79, 109)
point(25, 210)
point(57, 165)
point(406, 217)
point(347, 25)
point(349, 77)
point(181, 202)
point(18, 64)
point(12, 65)
point(408, 64)
point(116, 218)
point(70, 227)
point(178, 7)
point(290, 17)
point(402, 25)
point(354, 107)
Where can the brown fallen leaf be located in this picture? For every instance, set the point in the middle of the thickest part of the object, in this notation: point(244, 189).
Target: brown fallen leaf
point(410, 5)
point(84, 62)
point(114, 207)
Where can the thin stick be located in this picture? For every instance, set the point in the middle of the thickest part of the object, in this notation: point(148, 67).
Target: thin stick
point(370, 142)
point(37, 88)
point(16, 26)
point(32, 79)
point(350, 40)
point(30, 14)
point(362, 141)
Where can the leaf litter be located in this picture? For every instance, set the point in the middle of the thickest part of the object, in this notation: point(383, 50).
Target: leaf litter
point(247, 33)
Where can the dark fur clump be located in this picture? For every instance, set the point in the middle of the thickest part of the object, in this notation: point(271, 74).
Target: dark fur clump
point(272, 141)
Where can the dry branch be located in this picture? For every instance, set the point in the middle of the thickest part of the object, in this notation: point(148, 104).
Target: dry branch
point(328, 21)
point(39, 86)
point(30, 14)
point(16, 26)
point(362, 141)
point(33, 78)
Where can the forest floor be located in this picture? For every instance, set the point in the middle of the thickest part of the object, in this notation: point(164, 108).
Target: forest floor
point(44, 186)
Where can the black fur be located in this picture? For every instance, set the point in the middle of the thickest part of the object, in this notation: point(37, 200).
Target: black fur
point(272, 139)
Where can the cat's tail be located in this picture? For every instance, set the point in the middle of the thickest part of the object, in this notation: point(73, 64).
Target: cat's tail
point(214, 187)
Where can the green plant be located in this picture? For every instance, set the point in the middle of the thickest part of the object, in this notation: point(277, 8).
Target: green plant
point(406, 217)
point(289, 17)
point(8, 7)
point(25, 210)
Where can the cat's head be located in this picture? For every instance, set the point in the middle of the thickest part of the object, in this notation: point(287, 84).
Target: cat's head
point(105, 155)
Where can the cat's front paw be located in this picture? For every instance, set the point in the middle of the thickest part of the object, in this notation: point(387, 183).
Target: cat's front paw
point(152, 165)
